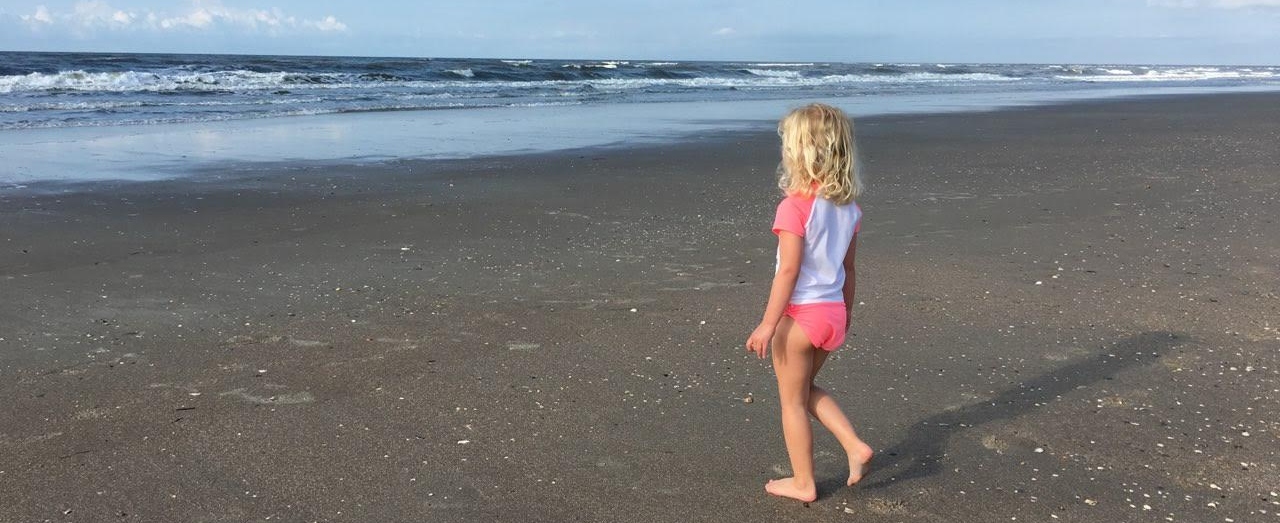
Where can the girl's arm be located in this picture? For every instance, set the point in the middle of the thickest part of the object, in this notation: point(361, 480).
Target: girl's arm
point(790, 252)
point(850, 280)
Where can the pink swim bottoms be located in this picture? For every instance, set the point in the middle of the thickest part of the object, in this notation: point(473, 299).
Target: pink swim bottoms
point(824, 323)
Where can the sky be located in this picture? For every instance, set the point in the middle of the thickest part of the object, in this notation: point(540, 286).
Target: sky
point(1229, 32)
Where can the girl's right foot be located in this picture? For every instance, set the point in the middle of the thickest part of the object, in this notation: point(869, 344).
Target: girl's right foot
point(787, 488)
point(858, 463)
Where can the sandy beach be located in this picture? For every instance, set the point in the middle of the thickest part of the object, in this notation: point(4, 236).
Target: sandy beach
point(1066, 313)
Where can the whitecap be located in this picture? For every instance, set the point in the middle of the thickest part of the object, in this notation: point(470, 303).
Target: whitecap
point(774, 74)
point(133, 81)
point(1176, 74)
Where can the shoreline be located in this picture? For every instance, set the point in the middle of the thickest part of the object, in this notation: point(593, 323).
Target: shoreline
point(1064, 311)
point(173, 151)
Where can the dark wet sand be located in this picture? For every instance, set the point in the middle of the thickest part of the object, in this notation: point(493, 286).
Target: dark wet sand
point(1067, 311)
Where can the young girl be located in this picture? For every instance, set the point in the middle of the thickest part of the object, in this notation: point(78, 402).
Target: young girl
point(811, 300)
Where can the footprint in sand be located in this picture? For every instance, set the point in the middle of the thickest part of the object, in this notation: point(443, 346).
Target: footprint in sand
point(886, 506)
point(611, 463)
point(88, 414)
point(277, 399)
point(991, 442)
point(242, 339)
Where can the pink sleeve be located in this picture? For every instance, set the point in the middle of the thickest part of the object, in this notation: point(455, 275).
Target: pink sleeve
point(792, 215)
point(857, 226)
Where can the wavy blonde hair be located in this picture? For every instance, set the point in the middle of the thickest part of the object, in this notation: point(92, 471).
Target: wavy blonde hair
point(819, 157)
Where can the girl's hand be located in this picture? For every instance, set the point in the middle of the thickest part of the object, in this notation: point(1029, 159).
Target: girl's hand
point(759, 340)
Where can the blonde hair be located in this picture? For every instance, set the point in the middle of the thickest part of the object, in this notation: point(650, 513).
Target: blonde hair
point(819, 157)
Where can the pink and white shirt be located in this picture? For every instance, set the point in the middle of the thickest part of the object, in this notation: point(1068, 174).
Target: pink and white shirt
point(827, 229)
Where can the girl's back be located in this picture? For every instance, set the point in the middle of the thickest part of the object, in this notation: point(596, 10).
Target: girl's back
point(828, 229)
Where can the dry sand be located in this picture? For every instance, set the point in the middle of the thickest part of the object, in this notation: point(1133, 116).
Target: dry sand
point(1065, 312)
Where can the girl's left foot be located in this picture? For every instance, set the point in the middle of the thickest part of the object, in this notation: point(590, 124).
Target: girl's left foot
point(787, 488)
point(858, 463)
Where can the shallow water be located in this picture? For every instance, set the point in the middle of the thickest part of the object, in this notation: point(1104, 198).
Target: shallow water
point(148, 152)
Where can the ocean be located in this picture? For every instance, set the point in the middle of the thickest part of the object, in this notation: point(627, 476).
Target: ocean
point(157, 95)
point(88, 89)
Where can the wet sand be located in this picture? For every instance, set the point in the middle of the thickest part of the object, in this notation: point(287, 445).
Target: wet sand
point(1065, 311)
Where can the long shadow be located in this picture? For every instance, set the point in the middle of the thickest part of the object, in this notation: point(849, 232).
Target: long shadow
point(921, 454)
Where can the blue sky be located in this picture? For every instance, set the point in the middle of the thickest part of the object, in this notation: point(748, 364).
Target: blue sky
point(1078, 31)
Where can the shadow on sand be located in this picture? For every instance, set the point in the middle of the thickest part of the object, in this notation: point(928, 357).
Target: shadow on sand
point(921, 454)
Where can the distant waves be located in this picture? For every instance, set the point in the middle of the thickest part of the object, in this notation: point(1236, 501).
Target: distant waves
point(79, 89)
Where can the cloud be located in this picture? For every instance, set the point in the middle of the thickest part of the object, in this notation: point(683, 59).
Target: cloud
point(96, 13)
point(1217, 4)
point(40, 17)
point(329, 24)
point(202, 15)
point(198, 19)
point(723, 31)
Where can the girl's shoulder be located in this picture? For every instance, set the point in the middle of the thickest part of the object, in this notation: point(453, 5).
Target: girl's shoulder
point(797, 203)
point(793, 214)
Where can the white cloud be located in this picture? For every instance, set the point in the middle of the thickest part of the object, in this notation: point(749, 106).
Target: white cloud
point(329, 24)
point(202, 15)
point(96, 13)
point(211, 14)
point(1218, 4)
point(723, 31)
point(40, 17)
point(198, 19)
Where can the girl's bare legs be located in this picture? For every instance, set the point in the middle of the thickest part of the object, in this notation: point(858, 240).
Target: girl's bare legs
point(824, 407)
point(793, 365)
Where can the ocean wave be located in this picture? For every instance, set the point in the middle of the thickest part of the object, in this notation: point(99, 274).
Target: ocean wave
point(134, 81)
point(233, 116)
point(214, 82)
point(1174, 75)
point(175, 119)
point(498, 75)
point(72, 89)
point(464, 79)
point(108, 105)
point(599, 65)
point(774, 74)
point(782, 81)
point(381, 77)
point(70, 106)
point(885, 69)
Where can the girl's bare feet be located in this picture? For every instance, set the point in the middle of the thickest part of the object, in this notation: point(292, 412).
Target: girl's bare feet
point(858, 463)
point(787, 488)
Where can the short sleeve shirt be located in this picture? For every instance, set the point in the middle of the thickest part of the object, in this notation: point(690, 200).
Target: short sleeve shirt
point(828, 230)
